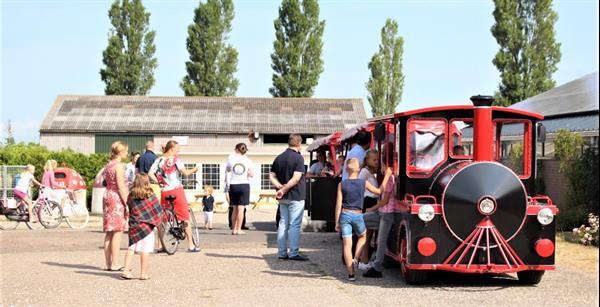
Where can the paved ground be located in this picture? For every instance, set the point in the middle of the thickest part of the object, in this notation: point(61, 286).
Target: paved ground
point(63, 267)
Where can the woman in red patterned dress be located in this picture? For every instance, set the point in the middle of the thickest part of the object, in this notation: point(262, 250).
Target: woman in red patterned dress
point(113, 204)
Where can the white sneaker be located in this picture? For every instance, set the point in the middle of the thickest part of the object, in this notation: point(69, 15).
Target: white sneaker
point(365, 267)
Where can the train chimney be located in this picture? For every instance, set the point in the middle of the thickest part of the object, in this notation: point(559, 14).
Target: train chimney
point(483, 128)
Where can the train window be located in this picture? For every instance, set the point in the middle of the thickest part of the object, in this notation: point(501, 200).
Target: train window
point(512, 145)
point(426, 148)
point(461, 139)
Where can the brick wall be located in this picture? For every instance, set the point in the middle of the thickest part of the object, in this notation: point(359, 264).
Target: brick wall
point(555, 182)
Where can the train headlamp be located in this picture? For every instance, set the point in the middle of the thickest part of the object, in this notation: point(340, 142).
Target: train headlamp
point(545, 216)
point(487, 206)
point(426, 213)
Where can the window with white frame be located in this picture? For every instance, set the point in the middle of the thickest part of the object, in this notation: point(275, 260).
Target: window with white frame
point(189, 182)
point(265, 183)
point(211, 175)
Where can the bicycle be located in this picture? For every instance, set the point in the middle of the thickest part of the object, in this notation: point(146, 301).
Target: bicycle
point(172, 231)
point(75, 214)
point(10, 218)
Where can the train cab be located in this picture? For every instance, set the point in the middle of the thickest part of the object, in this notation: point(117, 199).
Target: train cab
point(466, 193)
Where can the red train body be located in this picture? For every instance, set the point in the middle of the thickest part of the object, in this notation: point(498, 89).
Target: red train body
point(466, 195)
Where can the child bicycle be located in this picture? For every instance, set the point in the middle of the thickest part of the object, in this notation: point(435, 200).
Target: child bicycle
point(10, 218)
point(171, 231)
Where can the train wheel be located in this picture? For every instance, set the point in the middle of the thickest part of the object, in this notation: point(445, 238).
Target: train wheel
point(530, 277)
point(412, 277)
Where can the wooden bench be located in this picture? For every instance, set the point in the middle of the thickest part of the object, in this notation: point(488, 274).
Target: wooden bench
point(267, 198)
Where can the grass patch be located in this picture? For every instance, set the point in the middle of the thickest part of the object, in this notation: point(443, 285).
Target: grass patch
point(576, 255)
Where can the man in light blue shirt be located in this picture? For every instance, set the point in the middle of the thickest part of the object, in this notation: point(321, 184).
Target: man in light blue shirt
point(363, 142)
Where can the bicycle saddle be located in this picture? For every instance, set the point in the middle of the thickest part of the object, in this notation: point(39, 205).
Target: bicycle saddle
point(171, 198)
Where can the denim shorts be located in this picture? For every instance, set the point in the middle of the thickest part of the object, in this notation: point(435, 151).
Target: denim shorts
point(349, 222)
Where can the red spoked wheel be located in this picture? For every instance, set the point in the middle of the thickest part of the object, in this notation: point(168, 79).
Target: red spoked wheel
point(412, 277)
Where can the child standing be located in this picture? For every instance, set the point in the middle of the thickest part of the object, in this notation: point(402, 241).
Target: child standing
point(208, 203)
point(348, 213)
point(145, 213)
point(22, 188)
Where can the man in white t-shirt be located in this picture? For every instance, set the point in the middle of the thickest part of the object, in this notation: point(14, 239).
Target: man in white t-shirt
point(316, 169)
point(363, 142)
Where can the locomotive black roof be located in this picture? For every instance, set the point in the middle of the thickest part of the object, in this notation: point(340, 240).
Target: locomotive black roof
point(577, 96)
point(202, 114)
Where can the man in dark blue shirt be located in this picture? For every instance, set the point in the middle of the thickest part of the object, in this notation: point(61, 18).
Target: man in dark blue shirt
point(146, 160)
point(287, 172)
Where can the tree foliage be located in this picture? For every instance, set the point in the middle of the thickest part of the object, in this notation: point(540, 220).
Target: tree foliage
point(386, 82)
point(528, 53)
point(567, 147)
point(213, 62)
point(129, 57)
point(296, 57)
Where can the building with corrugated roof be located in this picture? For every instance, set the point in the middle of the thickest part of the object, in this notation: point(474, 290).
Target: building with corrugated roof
point(207, 128)
point(572, 106)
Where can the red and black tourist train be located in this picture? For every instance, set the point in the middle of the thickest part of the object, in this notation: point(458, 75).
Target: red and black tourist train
point(467, 199)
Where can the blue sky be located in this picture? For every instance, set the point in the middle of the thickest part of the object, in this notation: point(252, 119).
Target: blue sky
point(52, 47)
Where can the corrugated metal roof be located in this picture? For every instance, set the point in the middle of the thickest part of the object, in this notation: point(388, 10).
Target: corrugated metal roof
point(202, 114)
point(575, 123)
point(582, 123)
point(580, 95)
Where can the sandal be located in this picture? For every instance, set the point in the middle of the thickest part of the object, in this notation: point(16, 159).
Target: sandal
point(145, 277)
point(127, 275)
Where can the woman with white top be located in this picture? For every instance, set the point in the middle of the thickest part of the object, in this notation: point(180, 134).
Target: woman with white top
point(238, 172)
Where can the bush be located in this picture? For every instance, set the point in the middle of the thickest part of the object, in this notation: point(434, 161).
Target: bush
point(588, 234)
point(86, 165)
point(570, 217)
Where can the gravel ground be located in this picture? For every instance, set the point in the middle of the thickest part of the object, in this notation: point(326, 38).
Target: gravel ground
point(64, 267)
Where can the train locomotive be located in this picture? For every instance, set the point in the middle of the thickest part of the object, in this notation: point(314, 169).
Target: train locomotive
point(466, 198)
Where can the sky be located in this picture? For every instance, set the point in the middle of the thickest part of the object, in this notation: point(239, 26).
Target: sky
point(54, 47)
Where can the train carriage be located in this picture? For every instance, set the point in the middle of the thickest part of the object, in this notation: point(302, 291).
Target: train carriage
point(466, 196)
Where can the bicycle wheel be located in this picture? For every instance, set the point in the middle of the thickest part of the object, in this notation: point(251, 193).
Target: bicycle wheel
point(50, 214)
point(195, 229)
point(167, 239)
point(34, 221)
point(7, 224)
point(76, 215)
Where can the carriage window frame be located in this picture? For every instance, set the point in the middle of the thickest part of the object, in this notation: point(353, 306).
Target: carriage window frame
point(526, 145)
point(451, 141)
point(414, 172)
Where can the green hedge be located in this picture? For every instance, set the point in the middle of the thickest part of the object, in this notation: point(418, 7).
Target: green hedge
point(21, 154)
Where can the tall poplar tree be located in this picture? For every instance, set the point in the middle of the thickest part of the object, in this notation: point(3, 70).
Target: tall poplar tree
point(129, 57)
point(213, 62)
point(296, 57)
point(529, 52)
point(386, 82)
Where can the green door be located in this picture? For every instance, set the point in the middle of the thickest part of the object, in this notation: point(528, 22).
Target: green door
point(136, 142)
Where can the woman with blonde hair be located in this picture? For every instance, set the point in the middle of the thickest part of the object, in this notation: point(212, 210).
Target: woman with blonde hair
point(113, 203)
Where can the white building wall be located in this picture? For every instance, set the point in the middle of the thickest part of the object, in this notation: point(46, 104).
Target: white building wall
point(79, 142)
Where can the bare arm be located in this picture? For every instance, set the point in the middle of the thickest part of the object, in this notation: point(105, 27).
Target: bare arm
point(121, 182)
point(338, 207)
point(274, 181)
point(292, 183)
point(188, 171)
point(371, 188)
point(382, 202)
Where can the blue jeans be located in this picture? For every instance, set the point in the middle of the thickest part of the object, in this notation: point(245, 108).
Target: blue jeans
point(291, 212)
point(352, 222)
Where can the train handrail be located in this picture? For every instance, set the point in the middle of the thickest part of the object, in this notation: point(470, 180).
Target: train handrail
point(536, 200)
point(430, 197)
